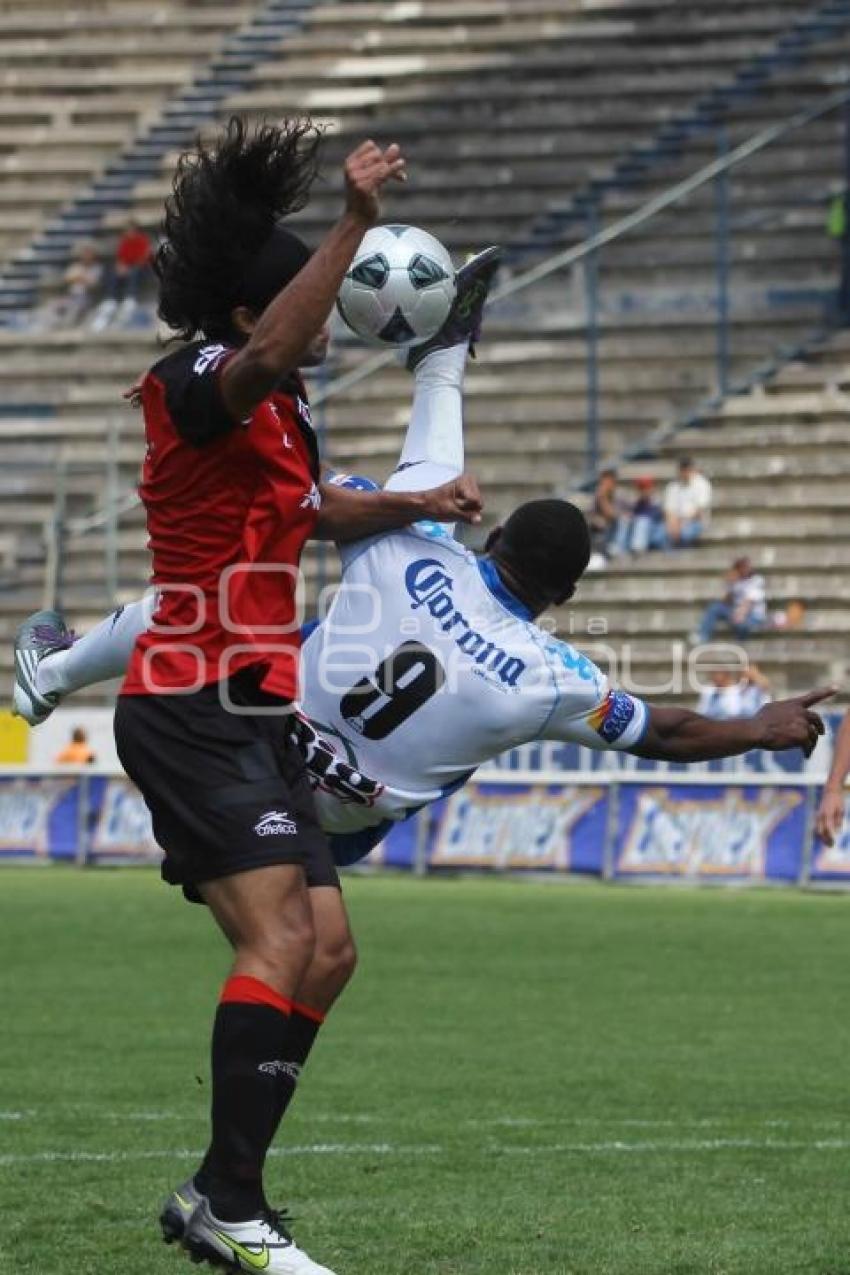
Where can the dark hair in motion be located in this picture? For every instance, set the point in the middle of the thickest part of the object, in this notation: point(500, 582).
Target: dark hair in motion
point(547, 544)
point(222, 214)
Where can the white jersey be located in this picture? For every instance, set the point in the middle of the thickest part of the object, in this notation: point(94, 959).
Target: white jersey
point(426, 666)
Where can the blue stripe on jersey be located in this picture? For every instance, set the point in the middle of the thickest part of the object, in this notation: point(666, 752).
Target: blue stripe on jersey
point(494, 583)
point(309, 628)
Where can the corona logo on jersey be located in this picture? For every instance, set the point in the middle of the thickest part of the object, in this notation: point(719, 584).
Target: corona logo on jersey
point(431, 586)
point(722, 835)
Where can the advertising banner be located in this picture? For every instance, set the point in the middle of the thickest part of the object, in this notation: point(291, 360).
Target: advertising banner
point(92, 818)
point(625, 828)
point(39, 817)
point(711, 831)
point(530, 827)
point(120, 823)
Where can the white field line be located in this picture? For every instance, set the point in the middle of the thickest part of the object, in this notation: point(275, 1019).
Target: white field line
point(601, 1122)
point(698, 1145)
point(93, 1115)
point(385, 1148)
point(129, 1157)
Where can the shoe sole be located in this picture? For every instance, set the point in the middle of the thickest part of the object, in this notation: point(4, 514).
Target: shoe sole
point(173, 1226)
point(465, 306)
point(198, 1251)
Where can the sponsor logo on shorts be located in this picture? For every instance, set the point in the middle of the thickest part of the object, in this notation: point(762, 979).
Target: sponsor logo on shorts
point(275, 823)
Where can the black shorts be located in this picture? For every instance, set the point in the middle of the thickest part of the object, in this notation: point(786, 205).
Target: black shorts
point(227, 792)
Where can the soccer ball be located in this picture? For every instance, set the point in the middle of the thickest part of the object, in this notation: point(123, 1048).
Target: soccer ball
point(399, 288)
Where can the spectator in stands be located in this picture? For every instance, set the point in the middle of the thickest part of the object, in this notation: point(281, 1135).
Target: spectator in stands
point(607, 508)
point(735, 693)
point(687, 505)
point(77, 752)
point(792, 616)
point(641, 525)
point(81, 282)
point(743, 607)
point(133, 254)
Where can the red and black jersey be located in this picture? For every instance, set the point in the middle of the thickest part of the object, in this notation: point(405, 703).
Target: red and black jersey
point(228, 510)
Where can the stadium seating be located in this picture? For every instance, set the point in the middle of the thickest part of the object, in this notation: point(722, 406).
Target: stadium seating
point(77, 83)
point(508, 114)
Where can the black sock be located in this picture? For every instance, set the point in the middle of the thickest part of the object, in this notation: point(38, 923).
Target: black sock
point(303, 1031)
point(258, 1051)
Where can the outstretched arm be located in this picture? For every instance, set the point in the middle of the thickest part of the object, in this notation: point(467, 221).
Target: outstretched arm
point(679, 735)
point(288, 325)
point(353, 515)
point(830, 814)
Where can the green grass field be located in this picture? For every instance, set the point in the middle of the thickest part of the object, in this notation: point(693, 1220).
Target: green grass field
point(523, 1080)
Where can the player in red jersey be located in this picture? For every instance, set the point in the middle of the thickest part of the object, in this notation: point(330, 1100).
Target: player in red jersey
point(232, 489)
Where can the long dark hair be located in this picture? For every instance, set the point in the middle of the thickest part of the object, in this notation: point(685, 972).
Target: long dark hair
point(225, 202)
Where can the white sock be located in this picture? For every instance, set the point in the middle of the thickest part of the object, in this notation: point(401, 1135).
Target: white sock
point(435, 432)
point(98, 656)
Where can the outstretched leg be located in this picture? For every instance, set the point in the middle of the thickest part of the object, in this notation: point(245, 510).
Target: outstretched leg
point(51, 662)
point(433, 447)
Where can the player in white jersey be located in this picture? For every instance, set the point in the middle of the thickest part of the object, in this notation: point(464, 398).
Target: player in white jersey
point(429, 661)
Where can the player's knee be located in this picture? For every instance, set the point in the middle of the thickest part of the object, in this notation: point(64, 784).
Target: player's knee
point(285, 950)
point(346, 961)
point(334, 962)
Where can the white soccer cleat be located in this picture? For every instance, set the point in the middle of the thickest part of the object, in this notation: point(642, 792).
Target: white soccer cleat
point(39, 636)
point(263, 1244)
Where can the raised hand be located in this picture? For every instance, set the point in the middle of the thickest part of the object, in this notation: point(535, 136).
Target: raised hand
point(366, 171)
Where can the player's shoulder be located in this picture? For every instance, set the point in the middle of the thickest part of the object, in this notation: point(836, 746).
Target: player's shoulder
point(198, 358)
point(437, 535)
point(425, 541)
point(574, 674)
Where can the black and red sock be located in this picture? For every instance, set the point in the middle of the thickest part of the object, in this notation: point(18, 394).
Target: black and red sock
point(260, 1043)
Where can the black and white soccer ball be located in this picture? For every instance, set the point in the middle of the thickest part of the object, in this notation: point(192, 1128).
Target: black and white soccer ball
point(399, 288)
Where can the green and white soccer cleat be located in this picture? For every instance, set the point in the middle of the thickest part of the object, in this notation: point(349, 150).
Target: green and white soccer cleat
point(178, 1211)
point(263, 1244)
point(39, 636)
point(466, 315)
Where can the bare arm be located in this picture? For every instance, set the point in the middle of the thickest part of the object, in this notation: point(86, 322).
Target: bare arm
point(679, 735)
point(291, 321)
point(352, 515)
point(830, 814)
